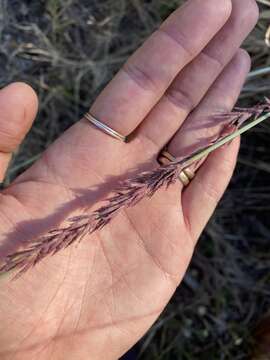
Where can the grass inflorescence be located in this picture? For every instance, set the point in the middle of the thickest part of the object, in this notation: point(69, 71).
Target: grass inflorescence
point(131, 192)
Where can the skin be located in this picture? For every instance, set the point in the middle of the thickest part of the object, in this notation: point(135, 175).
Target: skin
point(96, 299)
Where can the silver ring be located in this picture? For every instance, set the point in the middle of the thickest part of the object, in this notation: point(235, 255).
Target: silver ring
point(105, 128)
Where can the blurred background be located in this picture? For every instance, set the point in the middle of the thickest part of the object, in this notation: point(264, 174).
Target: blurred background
point(68, 50)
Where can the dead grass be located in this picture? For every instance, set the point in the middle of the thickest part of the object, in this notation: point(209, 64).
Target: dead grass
point(68, 50)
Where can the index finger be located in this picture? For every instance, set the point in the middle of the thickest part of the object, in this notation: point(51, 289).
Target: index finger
point(139, 85)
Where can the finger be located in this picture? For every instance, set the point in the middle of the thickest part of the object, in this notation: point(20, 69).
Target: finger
point(18, 108)
point(198, 129)
point(139, 85)
point(202, 195)
point(194, 81)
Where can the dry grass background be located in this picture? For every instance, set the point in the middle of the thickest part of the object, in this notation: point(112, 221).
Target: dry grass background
point(68, 50)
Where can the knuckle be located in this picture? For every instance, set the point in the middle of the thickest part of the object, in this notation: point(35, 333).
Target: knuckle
point(180, 98)
point(179, 39)
point(140, 76)
point(214, 60)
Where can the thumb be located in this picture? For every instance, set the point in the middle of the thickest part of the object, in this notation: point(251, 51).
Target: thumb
point(18, 108)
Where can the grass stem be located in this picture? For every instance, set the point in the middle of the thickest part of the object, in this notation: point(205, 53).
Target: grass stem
point(204, 152)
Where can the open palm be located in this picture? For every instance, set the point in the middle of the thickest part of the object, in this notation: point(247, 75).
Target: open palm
point(94, 300)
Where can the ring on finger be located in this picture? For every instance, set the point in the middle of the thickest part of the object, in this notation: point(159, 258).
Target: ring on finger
point(105, 128)
point(185, 176)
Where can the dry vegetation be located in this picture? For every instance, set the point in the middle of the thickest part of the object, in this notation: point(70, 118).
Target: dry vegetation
point(67, 50)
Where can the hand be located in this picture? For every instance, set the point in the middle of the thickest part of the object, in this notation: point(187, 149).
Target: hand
point(97, 299)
